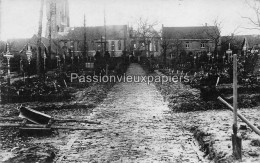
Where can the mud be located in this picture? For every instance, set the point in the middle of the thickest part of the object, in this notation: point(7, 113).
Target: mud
point(137, 127)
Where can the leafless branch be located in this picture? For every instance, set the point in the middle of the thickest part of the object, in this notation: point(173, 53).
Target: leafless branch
point(255, 6)
point(251, 28)
point(252, 21)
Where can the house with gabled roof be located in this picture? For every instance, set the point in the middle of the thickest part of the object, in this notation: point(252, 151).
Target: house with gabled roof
point(196, 40)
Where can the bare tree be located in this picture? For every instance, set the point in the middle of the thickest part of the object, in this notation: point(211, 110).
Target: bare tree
point(169, 43)
point(145, 31)
point(165, 44)
point(214, 33)
point(255, 21)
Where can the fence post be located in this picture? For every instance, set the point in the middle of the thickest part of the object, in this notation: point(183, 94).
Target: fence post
point(236, 140)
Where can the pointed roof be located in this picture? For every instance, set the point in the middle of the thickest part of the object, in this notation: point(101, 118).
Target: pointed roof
point(245, 44)
point(16, 45)
point(46, 43)
point(19, 45)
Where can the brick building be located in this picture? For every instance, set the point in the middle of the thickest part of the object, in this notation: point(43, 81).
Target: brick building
point(191, 40)
point(113, 38)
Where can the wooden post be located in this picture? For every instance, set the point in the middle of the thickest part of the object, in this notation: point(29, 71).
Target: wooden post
point(236, 140)
point(235, 94)
point(38, 58)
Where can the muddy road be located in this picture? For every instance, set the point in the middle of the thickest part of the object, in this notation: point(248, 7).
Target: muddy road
point(137, 127)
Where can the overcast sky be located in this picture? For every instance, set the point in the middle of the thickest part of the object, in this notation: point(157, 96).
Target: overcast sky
point(20, 17)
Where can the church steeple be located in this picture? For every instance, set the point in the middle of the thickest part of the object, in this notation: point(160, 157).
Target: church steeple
point(57, 16)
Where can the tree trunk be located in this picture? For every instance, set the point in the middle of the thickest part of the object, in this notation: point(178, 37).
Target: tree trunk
point(164, 56)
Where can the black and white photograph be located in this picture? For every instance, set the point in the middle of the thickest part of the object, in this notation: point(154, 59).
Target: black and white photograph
point(129, 81)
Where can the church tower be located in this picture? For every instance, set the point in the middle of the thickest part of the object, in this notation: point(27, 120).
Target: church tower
point(57, 17)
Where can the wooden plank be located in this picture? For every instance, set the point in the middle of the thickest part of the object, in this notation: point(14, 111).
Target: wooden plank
point(34, 116)
point(55, 120)
point(76, 120)
point(44, 126)
point(255, 129)
point(10, 119)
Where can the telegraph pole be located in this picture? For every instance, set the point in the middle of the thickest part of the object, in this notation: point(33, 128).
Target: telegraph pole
point(85, 39)
point(105, 31)
point(1, 12)
point(50, 21)
point(38, 61)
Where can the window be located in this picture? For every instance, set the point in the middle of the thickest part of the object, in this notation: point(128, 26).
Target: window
point(187, 45)
point(119, 45)
point(107, 45)
point(58, 28)
point(202, 45)
point(151, 46)
point(113, 45)
point(156, 46)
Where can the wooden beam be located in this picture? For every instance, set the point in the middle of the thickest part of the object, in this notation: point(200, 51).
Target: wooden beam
point(255, 129)
point(56, 120)
point(235, 94)
point(44, 126)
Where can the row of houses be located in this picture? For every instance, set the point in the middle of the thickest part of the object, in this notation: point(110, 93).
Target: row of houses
point(119, 40)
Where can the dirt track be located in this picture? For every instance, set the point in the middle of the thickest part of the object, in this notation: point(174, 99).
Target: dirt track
point(137, 127)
